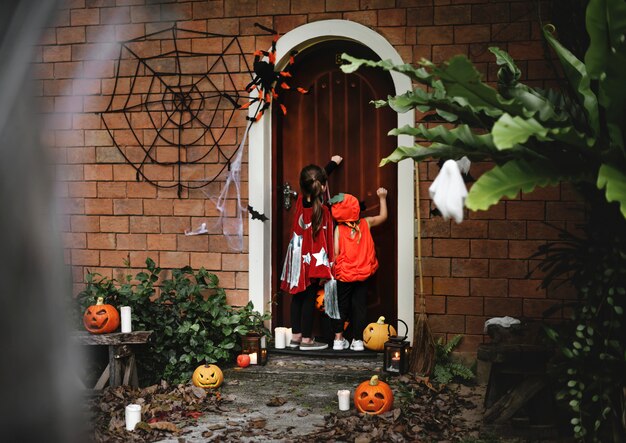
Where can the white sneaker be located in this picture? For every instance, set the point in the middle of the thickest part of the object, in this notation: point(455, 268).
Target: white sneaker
point(357, 345)
point(340, 345)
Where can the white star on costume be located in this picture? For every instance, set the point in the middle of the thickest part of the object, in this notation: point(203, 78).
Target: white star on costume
point(321, 258)
point(306, 258)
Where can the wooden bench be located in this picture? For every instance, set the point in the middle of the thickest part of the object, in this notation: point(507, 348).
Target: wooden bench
point(122, 367)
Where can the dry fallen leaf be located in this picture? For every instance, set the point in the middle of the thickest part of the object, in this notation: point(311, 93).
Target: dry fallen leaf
point(276, 401)
point(165, 426)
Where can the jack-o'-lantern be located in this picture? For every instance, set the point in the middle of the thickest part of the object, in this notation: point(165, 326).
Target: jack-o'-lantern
point(101, 318)
point(375, 335)
point(373, 397)
point(207, 376)
point(319, 301)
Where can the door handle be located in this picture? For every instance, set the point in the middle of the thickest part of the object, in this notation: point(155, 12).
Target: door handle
point(288, 194)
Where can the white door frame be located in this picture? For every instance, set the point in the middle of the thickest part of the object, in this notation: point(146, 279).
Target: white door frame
point(260, 169)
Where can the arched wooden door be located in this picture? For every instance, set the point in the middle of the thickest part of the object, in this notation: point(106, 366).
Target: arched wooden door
point(336, 117)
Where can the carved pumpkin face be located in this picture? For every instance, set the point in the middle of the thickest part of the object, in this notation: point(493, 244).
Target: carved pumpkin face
point(375, 335)
point(373, 397)
point(319, 301)
point(207, 376)
point(101, 318)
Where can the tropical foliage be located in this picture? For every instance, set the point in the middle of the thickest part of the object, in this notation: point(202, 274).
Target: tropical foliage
point(536, 137)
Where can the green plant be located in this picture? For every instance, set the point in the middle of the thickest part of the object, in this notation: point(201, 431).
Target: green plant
point(191, 320)
point(447, 367)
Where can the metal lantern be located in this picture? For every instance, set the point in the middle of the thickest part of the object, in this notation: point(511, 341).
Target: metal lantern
point(254, 345)
point(396, 353)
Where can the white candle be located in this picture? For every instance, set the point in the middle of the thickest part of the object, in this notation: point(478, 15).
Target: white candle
point(253, 358)
point(343, 396)
point(287, 336)
point(126, 321)
point(395, 363)
point(133, 416)
point(279, 338)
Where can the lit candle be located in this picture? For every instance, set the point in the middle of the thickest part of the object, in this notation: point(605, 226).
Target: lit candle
point(395, 362)
point(126, 324)
point(279, 338)
point(343, 396)
point(253, 358)
point(263, 356)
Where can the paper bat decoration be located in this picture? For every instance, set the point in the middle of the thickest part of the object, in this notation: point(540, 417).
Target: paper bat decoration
point(256, 215)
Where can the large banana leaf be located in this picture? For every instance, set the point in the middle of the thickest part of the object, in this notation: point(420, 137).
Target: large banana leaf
point(615, 183)
point(435, 150)
point(417, 74)
point(462, 135)
point(509, 179)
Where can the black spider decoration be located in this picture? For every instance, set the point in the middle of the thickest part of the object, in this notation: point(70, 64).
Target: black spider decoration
point(267, 81)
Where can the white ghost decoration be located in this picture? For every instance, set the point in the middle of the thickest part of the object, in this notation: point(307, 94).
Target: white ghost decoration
point(448, 191)
point(464, 164)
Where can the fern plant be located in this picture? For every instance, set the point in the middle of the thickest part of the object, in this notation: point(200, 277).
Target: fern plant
point(447, 367)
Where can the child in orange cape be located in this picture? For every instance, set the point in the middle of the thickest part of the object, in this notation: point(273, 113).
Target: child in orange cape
point(355, 263)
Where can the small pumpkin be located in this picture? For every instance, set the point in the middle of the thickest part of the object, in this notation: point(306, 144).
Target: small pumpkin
point(243, 360)
point(101, 318)
point(375, 335)
point(207, 376)
point(319, 301)
point(373, 397)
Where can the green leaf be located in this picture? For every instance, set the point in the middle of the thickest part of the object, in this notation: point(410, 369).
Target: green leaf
point(615, 183)
point(508, 180)
point(576, 73)
point(510, 131)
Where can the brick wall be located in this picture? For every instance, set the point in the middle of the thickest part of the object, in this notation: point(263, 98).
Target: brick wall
point(111, 222)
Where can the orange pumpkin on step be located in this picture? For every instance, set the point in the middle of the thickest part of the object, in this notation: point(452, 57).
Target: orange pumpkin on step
point(375, 335)
point(373, 397)
point(101, 318)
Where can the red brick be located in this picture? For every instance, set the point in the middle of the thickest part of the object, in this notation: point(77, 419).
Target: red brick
point(523, 248)
point(113, 258)
point(392, 17)
point(238, 8)
point(564, 211)
point(470, 267)
point(81, 189)
point(207, 260)
point(367, 18)
point(226, 279)
point(452, 15)
point(114, 224)
point(189, 207)
point(206, 9)
point(435, 304)
point(101, 241)
point(144, 224)
point(507, 32)
point(489, 248)
point(112, 190)
point(197, 243)
point(242, 280)
point(442, 53)
point(115, 16)
point(234, 262)
point(493, 213)
point(175, 225)
point(507, 229)
point(475, 324)
point(508, 268)
point(141, 190)
point(180, 11)
point(84, 223)
point(342, 5)
point(158, 207)
point(85, 257)
point(307, 6)
point(490, 13)
point(420, 16)
point(500, 307)
point(539, 230)
point(469, 229)
point(489, 287)
point(79, 17)
point(436, 227)
point(447, 323)
point(138, 260)
point(173, 259)
point(469, 344)
point(536, 308)
point(72, 205)
point(75, 34)
point(528, 50)
point(526, 289)
point(450, 248)
point(547, 193)
point(451, 286)
point(237, 297)
point(464, 305)
point(395, 35)
point(149, 13)
point(436, 267)
point(131, 241)
point(472, 33)
point(127, 207)
point(434, 35)
point(74, 240)
point(57, 54)
point(273, 7)
point(163, 242)
point(378, 4)
point(525, 210)
point(98, 206)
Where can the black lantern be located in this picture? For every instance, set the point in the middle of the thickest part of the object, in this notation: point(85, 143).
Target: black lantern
point(396, 353)
point(254, 345)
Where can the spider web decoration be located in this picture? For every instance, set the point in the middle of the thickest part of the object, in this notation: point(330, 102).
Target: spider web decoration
point(175, 95)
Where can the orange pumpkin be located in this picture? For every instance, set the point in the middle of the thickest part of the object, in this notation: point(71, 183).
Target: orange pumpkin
point(375, 335)
point(101, 318)
point(373, 397)
point(207, 376)
point(319, 301)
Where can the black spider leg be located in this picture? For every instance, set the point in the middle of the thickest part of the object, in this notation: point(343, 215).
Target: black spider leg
point(180, 130)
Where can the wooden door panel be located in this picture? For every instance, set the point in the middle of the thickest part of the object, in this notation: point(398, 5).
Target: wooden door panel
point(336, 117)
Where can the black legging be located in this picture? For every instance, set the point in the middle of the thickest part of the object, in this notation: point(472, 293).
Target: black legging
point(302, 310)
point(352, 301)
